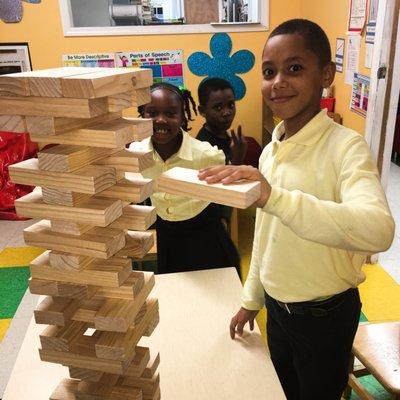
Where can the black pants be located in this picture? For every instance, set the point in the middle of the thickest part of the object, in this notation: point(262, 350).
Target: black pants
point(198, 243)
point(310, 347)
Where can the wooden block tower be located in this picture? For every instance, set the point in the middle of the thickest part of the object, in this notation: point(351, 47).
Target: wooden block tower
point(96, 308)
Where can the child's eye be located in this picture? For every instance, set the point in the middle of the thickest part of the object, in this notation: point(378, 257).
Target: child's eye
point(232, 105)
point(268, 72)
point(295, 68)
point(217, 107)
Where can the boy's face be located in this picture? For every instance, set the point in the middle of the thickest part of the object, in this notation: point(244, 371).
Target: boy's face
point(293, 78)
point(220, 110)
point(165, 110)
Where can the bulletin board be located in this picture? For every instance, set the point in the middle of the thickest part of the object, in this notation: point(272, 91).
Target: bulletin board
point(167, 65)
point(89, 60)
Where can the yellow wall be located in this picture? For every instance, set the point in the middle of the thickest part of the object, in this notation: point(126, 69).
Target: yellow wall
point(332, 16)
point(41, 28)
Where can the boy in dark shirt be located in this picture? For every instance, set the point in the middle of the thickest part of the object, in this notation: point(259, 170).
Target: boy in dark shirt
point(217, 106)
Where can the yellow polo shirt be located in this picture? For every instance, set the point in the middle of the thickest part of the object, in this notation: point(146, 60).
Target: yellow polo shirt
point(192, 154)
point(326, 212)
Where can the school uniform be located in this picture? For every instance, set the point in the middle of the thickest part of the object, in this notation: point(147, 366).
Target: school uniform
point(326, 212)
point(190, 235)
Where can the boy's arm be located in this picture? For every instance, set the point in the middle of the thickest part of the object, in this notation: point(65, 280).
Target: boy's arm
point(253, 290)
point(360, 222)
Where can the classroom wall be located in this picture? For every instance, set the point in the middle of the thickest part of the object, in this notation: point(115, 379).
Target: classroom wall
point(41, 28)
point(332, 16)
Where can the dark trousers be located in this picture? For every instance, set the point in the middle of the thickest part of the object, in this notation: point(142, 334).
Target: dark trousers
point(310, 346)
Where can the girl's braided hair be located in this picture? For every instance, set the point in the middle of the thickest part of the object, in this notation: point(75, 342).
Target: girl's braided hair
point(184, 96)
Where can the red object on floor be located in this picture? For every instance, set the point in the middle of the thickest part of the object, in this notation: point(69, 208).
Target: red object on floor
point(328, 103)
point(14, 147)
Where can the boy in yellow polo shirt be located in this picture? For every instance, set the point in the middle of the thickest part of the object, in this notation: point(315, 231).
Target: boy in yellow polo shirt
point(321, 211)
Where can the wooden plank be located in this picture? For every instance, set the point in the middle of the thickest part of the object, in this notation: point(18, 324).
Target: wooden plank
point(85, 374)
point(128, 161)
point(125, 393)
point(151, 367)
point(118, 345)
point(47, 125)
point(184, 182)
point(149, 386)
point(138, 218)
point(90, 179)
point(133, 98)
point(68, 261)
point(66, 390)
point(117, 315)
point(13, 123)
point(131, 188)
point(68, 227)
point(114, 134)
point(96, 211)
point(68, 158)
point(100, 390)
point(60, 289)
point(128, 290)
point(98, 242)
point(44, 82)
point(61, 338)
point(137, 244)
point(107, 82)
point(64, 197)
point(55, 311)
point(54, 106)
point(112, 272)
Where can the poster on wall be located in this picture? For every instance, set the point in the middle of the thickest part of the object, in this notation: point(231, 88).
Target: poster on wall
point(167, 65)
point(357, 15)
point(371, 24)
point(105, 60)
point(14, 57)
point(360, 94)
point(352, 57)
point(339, 54)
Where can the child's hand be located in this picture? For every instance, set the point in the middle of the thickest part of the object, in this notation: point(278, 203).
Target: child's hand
point(238, 146)
point(240, 320)
point(227, 174)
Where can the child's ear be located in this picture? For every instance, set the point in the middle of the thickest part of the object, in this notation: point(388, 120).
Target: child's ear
point(328, 74)
point(201, 110)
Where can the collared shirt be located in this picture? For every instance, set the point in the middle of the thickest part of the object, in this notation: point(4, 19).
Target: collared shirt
point(192, 154)
point(327, 211)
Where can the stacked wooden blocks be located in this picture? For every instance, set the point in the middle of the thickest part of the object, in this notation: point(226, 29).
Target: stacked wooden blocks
point(96, 307)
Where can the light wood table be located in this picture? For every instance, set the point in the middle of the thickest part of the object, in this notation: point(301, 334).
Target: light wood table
point(199, 361)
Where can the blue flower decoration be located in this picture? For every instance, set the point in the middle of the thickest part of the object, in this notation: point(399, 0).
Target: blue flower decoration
point(222, 64)
point(11, 10)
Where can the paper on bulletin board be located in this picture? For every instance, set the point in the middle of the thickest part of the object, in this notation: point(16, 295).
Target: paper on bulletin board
point(360, 94)
point(357, 15)
point(339, 54)
point(353, 57)
point(371, 24)
point(369, 52)
point(167, 65)
point(89, 60)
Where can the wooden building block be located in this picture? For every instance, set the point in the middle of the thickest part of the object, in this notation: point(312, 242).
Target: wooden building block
point(137, 244)
point(85, 374)
point(131, 188)
point(114, 134)
point(64, 197)
point(98, 242)
point(128, 161)
point(13, 123)
point(55, 311)
point(125, 393)
point(112, 272)
point(106, 82)
point(90, 179)
point(118, 345)
point(96, 211)
point(60, 289)
point(66, 390)
point(62, 338)
point(117, 315)
point(128, 290)
point(99, 390)
point(54, 106)
point(69, 228)
point(140, 97)
point(45, 82)
point(149, 386)
point(47, 125)
point(68, 261)
point(68, 158)
point(184, 182)
point(151, 367)
point(138, 218)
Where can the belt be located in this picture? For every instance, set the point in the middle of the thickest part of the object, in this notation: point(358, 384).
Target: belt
point(314, 308)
